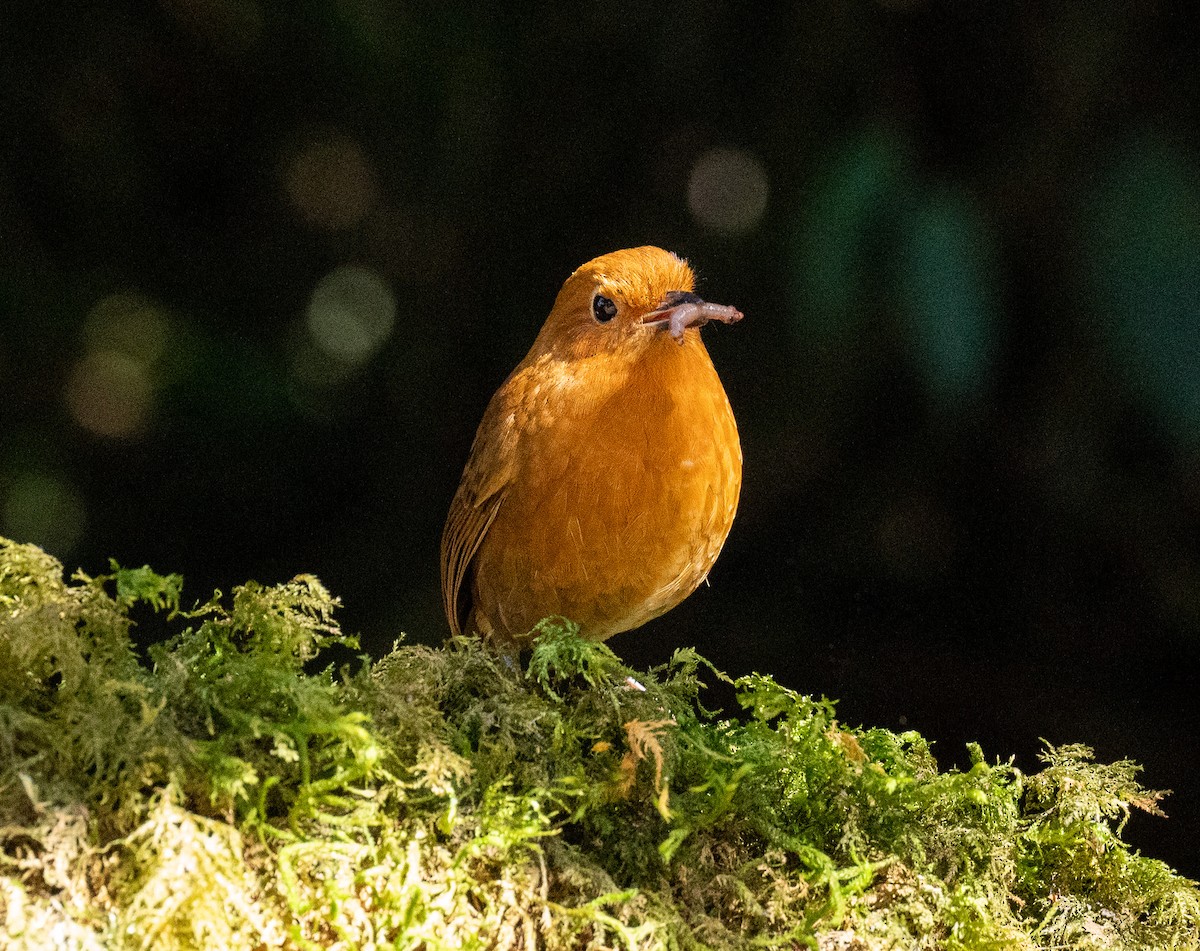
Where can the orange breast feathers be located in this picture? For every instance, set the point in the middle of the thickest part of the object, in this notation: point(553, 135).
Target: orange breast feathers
point(605, 475)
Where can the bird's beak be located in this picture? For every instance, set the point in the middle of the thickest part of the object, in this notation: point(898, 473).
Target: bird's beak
point(682, 309)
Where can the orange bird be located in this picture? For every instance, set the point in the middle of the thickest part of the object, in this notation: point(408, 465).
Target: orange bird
point(605, 475)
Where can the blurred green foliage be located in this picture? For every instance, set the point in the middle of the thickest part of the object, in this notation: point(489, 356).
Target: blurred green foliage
point(839, 241)
point(1144, 239)
point(944, 268)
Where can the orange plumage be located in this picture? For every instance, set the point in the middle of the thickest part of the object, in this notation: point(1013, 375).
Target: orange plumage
point(605, 475)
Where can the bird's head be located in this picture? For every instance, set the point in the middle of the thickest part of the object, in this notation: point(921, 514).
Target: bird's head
point(627, 301)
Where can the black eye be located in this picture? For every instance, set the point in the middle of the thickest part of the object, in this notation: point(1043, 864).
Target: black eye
point(604, 309)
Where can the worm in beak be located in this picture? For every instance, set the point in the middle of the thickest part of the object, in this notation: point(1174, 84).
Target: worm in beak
point(682, 309)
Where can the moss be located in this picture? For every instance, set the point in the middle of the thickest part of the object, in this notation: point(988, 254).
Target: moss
point(218, 795)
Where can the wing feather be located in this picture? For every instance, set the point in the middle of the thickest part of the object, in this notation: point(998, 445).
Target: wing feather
point(489, 470)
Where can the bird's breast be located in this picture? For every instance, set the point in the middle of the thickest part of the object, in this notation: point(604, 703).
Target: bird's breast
point(626, 488)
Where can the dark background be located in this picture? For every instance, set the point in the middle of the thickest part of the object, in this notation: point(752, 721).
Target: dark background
point(264, 261)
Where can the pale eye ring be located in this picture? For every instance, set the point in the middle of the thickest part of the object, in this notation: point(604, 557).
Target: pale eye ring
point(604, 308)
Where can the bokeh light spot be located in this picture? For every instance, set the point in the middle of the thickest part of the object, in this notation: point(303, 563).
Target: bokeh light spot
point(109, 394)
point(128, 322)
point(351, 313)
point(727, 190)
point(332, 183)
point(44, 510)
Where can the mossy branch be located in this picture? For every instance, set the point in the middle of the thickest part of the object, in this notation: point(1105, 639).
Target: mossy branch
point(223, 797)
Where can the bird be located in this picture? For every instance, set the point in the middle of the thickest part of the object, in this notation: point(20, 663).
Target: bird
point(604, 477)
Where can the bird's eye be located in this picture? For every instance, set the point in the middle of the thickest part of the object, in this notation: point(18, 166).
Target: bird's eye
point(603, 308)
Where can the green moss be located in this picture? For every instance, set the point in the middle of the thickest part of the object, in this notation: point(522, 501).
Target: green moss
point(221, 796)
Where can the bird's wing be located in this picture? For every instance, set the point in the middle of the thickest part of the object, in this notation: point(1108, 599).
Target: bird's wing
point(489, 470)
